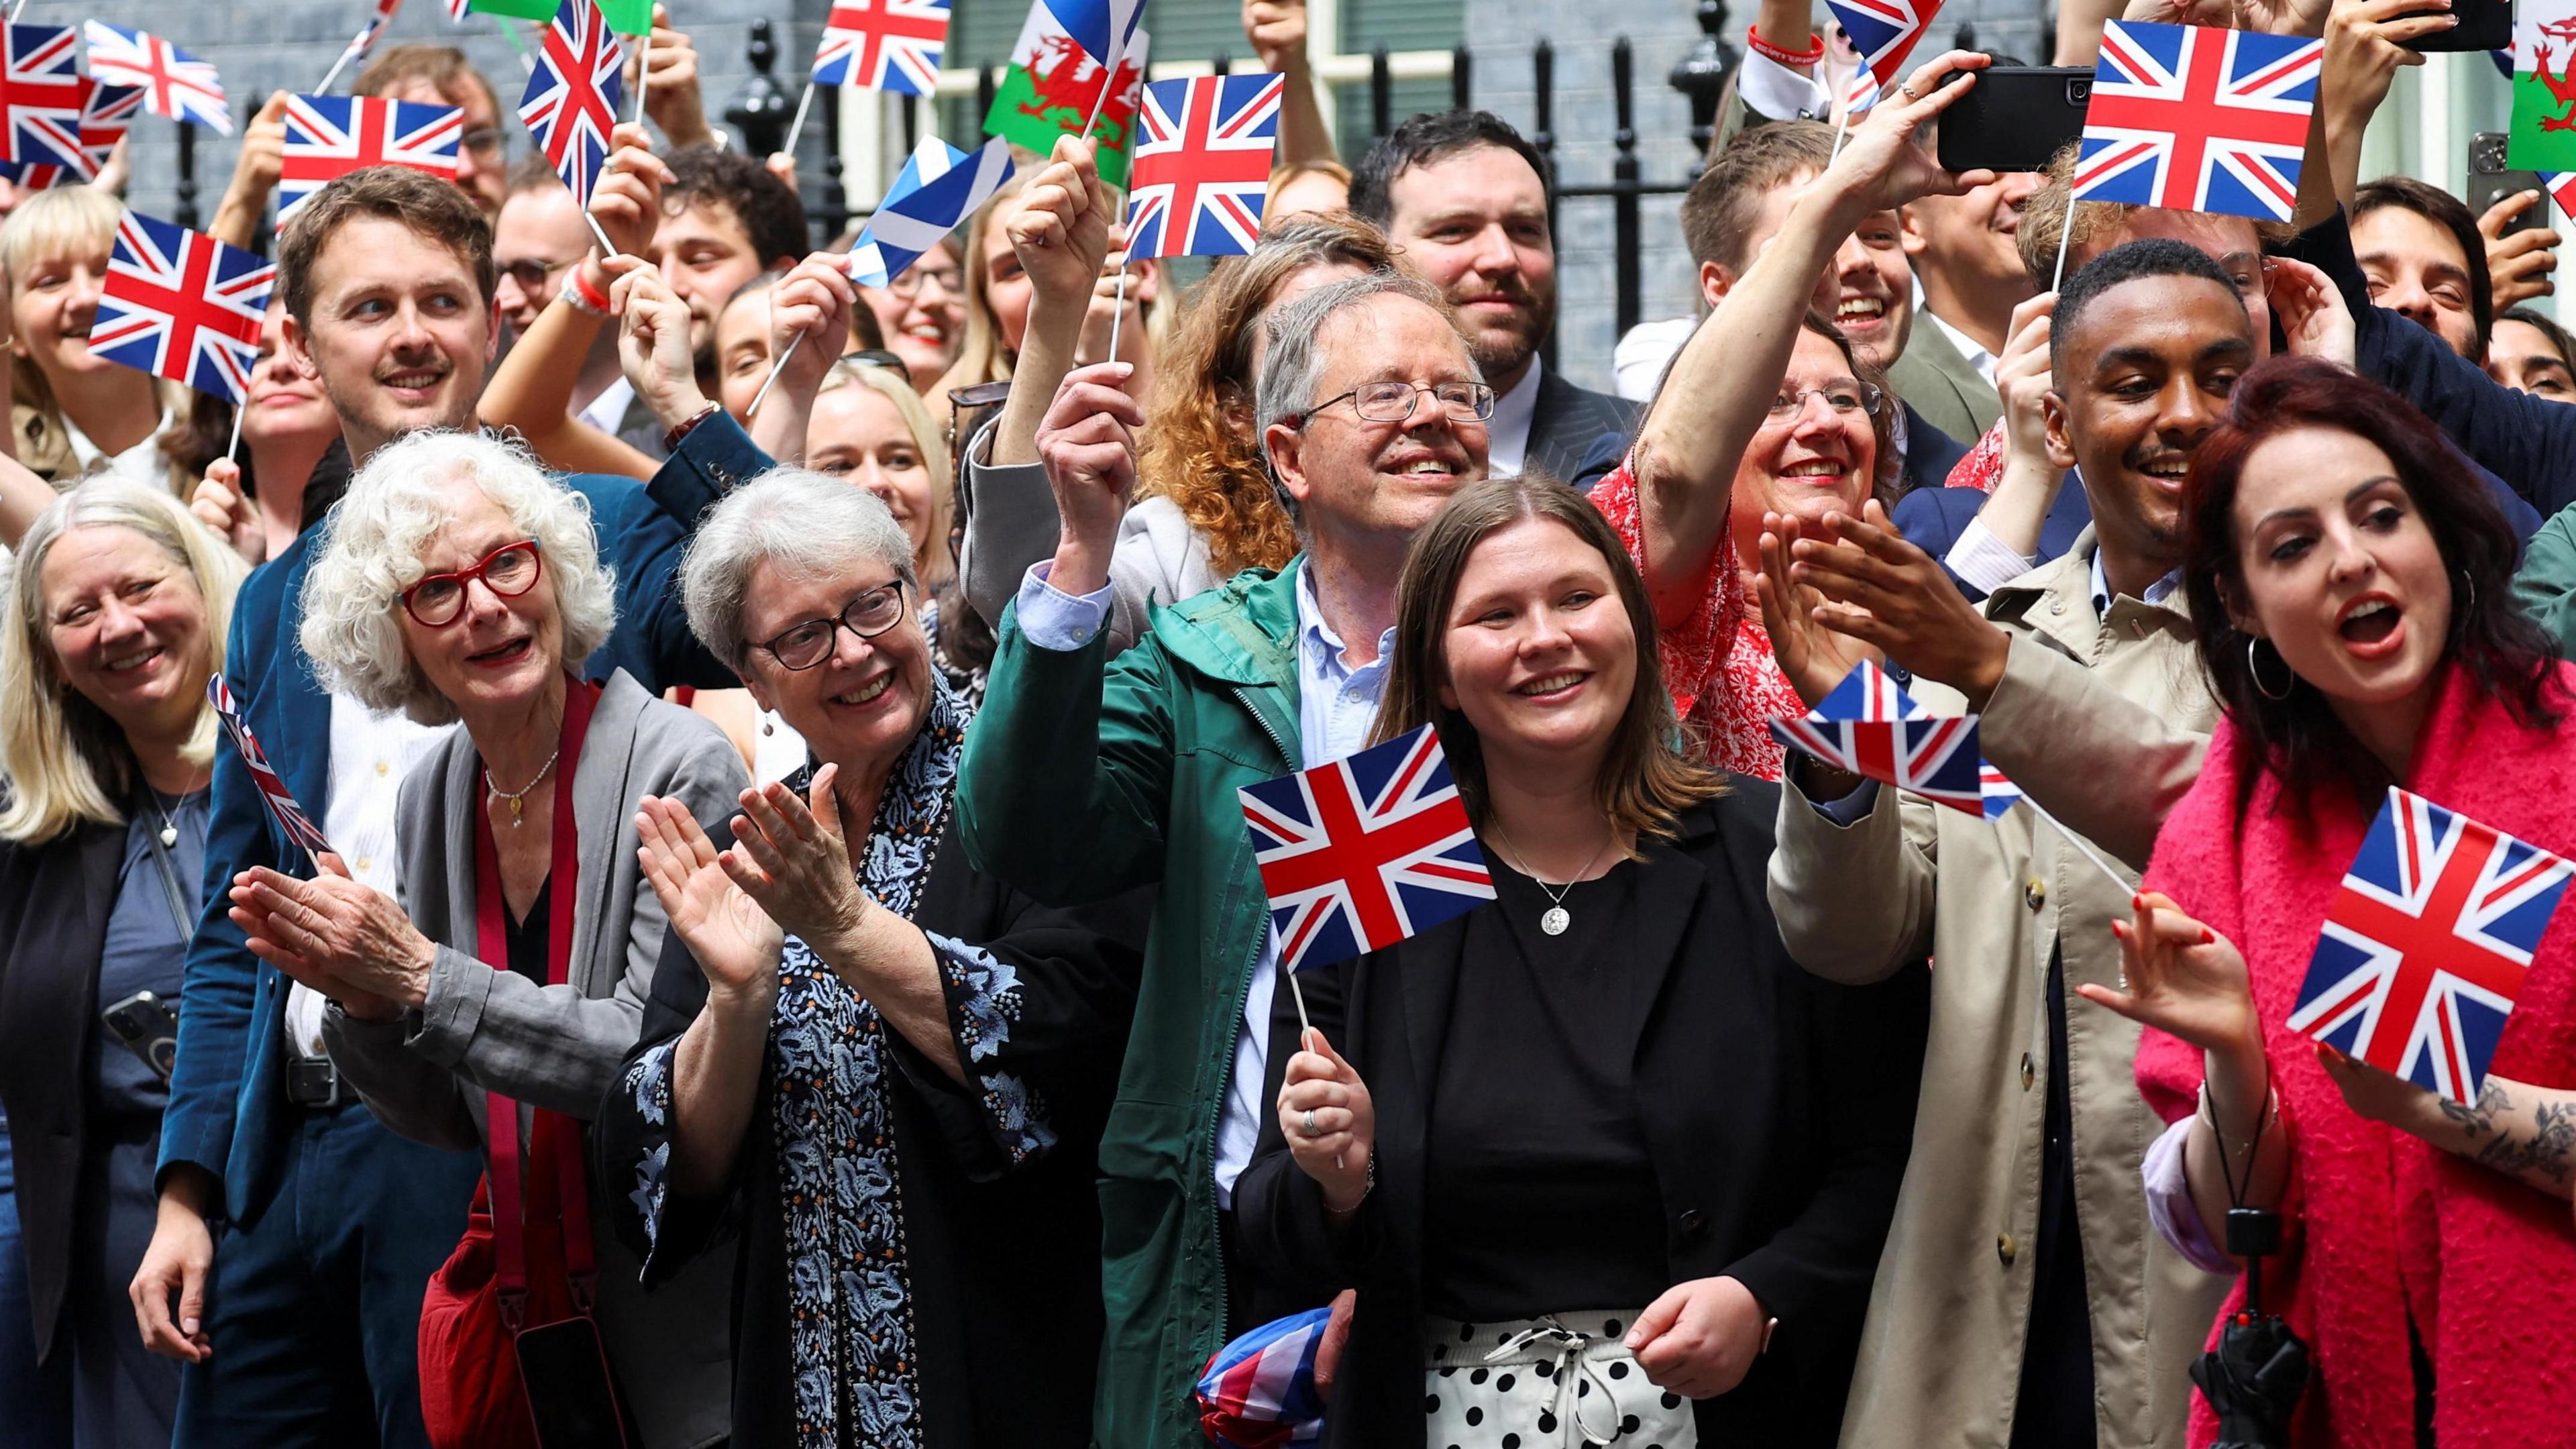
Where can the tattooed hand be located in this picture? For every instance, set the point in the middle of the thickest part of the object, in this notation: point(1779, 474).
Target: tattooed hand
point(2525, 1132)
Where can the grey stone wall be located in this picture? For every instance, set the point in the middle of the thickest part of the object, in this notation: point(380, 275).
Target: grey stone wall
point(1501, 34)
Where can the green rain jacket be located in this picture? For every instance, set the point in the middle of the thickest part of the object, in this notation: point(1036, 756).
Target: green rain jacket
point(1085, 777)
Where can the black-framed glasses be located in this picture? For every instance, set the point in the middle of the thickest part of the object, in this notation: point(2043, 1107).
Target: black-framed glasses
point(531, 274)
point(1393, 402)
point(1843, 398)
point(907, 283)
point(802, 646)
point(508, 571)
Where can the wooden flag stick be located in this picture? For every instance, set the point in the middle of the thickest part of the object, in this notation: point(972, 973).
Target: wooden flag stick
point(796, 128)
point(1108, 78)
point(775, 368)
point(1117, 317)
point(17, 10)
point(2065, 234)
point(232, 449)
point(643, 76)
point(337, 66)
point(510, 33)
point(607, 248)
point(1298, 995)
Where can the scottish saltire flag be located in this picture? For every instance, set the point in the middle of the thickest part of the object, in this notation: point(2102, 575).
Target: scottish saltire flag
point(1884, 32)
point(180, 304)
point(573, 94)
point(883, 45)
point(1258, 1392)
point(1201, 170)
point(298, 826)
point(328, 137)
point(175, 84)
point(1364, 851)
point(2193, 118)
point(939, 187)
point(1102, 28)
point(2425, 946)
point(1870, 727)
point(42, 96)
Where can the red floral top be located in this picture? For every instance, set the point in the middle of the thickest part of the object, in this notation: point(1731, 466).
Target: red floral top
point(1717, 664)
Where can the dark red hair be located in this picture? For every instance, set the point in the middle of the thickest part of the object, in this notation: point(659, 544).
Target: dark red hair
point(2299, 738)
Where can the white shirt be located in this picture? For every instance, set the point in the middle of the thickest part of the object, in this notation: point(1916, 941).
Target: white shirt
point(1507, 435)
point(370, 756)
point(1978, 357)
point(1637, 364)
point(139, 464)
point(1336, 705)
point(608, 409)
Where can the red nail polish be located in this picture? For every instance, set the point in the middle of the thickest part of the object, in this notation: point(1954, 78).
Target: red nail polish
point(2208, 937)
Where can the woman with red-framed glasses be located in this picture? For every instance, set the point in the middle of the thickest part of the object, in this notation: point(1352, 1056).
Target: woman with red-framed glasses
point(462, 585)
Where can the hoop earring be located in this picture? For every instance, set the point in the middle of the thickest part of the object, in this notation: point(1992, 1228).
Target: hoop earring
point(2256, 674)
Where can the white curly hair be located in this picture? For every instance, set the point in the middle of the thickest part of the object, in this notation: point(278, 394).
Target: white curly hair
point(371, 553)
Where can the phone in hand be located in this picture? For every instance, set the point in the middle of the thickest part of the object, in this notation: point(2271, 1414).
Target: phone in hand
point(2484, 25)
point(146, 1026)
point(2491, 181)
point(2015, 118)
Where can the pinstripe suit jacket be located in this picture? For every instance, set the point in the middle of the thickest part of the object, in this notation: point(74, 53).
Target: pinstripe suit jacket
point(1569, 420)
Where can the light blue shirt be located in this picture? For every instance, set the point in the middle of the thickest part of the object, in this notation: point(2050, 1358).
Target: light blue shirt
point(1336, 706)
point(2157, 592)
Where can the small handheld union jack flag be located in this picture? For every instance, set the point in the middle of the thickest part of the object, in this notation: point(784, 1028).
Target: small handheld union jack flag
point(291, 818)
point(1201, 169)
point(1884, 32)
point(573, 94)
point(42, 96)
point(1870, 727)
point(328, 137)
point(180, 304)
point(2425, 946)
point(1258, 1392)
point(105, 115)
point(175, 84)
point(1364, 851)
point(883, 45)
point(362, 42)
point(2193, 118)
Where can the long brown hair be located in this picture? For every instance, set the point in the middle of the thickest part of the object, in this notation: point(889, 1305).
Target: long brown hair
point(1203, 451)
point(1645, 781)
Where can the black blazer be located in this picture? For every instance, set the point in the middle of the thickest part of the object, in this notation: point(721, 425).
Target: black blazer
point(1778, 1110)
point(1567, 422)
point(54, 903)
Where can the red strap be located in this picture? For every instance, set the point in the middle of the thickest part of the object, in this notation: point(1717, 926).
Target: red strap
point(555, 1140)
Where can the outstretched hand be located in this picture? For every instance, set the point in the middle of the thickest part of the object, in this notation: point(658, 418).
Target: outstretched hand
point(1883, 165)
point(2310, 310)
point(2182, 978)
point(790, 857)
point(1889, 594)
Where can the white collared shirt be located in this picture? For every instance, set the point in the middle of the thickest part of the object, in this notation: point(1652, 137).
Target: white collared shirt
point(1507, 435)
point(141, 463)
point(608, 409)
point(371, 754)
point(1976, 354)
point(1336, 705)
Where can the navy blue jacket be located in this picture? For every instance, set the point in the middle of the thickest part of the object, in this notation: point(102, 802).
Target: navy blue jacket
point(1933, 518)
point(228, 1111)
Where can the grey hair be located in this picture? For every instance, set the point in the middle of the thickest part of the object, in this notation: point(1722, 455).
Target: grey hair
point(804, 524)
point(1294, 366)
point(370, 553)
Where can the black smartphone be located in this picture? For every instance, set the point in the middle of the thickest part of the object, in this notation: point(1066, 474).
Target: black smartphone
point(2484, 25)
point(2016, 117)
point(147, 1027)
point(564, 1369)
point(2491, 181)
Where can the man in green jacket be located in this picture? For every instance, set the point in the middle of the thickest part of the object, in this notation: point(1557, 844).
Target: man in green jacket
point(1086, 776)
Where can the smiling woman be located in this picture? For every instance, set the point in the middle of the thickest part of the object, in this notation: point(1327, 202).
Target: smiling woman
point(76, 413)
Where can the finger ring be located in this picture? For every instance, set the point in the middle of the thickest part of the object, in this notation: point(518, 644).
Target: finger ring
point(1312, 1128)
point(1907, 89)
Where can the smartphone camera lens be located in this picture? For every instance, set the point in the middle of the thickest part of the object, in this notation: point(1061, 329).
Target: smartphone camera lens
point(2079, 92)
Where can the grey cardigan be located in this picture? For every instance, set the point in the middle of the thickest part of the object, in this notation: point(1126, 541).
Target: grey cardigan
point(425, 1073)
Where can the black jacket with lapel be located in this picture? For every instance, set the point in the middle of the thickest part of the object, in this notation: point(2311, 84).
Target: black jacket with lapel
point(1777, 1108)
point(1567, 421)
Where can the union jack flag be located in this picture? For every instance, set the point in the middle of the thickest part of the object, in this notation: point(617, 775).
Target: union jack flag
point(1884, 31)
point(1258, 1392)
point(1995, 792)
point(180, 304)
point(175, 84)
point(1364, 851)
point(42, 96)
point(573, 95)
point(1859, 94)
point(1201, 169)
point(456, 10)
point(2425, 946)
point(291, 818)
point(328, 137)
point(939, 187)
point(2562, 189)
point(2193, 118)
point(883, 45)
point(104, 118)
point(1870, 727)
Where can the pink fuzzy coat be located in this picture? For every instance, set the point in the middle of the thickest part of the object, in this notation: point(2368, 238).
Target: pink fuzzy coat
point(2381, 1224)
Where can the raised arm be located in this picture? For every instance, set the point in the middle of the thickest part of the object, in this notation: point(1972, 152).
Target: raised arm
point(1061, 234)
point(672, 99)
point(809, 325)
point(2365, 48)
point(255, 173)
point(1719, 389)
point(1277, 30)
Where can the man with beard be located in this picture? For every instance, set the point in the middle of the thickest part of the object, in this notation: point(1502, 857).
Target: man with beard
point(1465, 199)
point(1740, 202)
point(333, 1224)
point(2062, 1319)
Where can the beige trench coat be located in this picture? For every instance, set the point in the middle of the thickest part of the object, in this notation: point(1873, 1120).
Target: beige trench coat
point(2102, 721)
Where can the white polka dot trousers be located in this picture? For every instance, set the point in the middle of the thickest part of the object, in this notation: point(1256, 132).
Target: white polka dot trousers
point(1560, 1382)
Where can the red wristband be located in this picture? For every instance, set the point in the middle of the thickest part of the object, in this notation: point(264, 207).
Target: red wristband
point(1814, 52)
point(587, 297)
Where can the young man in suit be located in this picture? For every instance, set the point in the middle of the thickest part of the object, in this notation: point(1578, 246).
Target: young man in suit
point(1465, 198)
point(298, 1321)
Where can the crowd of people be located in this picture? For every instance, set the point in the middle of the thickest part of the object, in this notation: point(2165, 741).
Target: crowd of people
point(789, 967)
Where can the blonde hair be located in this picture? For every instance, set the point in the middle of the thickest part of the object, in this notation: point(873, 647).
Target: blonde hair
point(985, 356)
point(59, 221)
point(371, 553)
point(66, 762)
point(931, 563)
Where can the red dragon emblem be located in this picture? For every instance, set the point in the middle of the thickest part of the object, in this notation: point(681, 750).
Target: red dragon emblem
point(1065, 77)
point(2562, 86)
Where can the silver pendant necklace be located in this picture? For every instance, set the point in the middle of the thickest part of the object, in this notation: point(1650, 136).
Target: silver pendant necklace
point(1556, 917)
point(169, 826)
